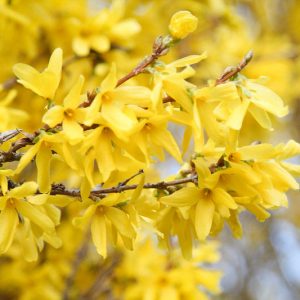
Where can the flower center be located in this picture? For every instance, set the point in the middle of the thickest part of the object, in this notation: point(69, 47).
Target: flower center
point(69, 113)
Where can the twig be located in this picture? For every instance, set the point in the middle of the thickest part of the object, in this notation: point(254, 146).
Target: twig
point(9, 83)
point(131, 177)
point(7, 135)
point(79, 256)
point(100, 284)
point(160, 47)
point(230, 72)
point(60, 189)
point(9, 157)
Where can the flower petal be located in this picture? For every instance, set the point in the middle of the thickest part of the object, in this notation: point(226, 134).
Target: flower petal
point(54, 116)
point(72, 100)
point(99, 233)
point(35, 215)
point(26, 189)
point(43, 159)
point(121, 221)
point(187, 196)
point(203, 218)
point(8, 223)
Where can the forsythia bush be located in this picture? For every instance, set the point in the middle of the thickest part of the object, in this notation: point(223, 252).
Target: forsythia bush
point(88, 110)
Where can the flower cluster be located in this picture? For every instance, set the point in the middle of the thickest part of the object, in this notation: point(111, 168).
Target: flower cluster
point(89, 163)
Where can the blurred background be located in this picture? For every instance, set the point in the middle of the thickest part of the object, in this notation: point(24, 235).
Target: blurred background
point(265, 263)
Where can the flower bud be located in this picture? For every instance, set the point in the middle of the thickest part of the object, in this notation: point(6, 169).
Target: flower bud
point(182, 24)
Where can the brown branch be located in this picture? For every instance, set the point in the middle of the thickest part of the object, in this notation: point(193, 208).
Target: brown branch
point(60, 189)
point(131, 177)
point(160, 47)
point(7, 135)
point(79, 256)
point(230, 72)
point(101, 282)
point(168, 99)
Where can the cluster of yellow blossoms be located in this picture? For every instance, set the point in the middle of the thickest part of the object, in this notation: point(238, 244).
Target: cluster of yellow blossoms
point(89, 164)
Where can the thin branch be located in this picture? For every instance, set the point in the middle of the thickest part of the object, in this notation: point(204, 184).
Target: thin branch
point(230, 72)
point(60, 189)
point(79, 256)
point(7, 135)
point(101, 282)
point(9, 157)
point(160, 47)
point(131, 177)
point(9, 83)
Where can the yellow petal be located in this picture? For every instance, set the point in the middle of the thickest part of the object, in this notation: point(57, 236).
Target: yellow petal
point(38, 199)
point(27, 157)
point(35, 216)
point(202, 169)
point(188, 60)
point(135, 95)
point(26, 189)
point(8, 223)
point(162, 137)
point(282, 179)
point(257, 152)
point(130, 26)
point(267, 100)
point(98, 230)
point(114, 115)
point(80, 46)
point(261, 117)
point(43, 159)
point(73, 131)
point(45, 83)
point(73, 99)
point(110, 81)
point(86, 218)
point(235, 121)
point(235, 225)
point(260, 213)
point(60, 200)
point(222, 197)
point(54, 116)
point(203, 218)
point(100, 43)
point(187, 196)
point(53, 240)
point(105, 160)
point(120, 220)
point(177, 91)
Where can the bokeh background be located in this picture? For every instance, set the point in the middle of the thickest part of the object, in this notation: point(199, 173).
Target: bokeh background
point(265, 263)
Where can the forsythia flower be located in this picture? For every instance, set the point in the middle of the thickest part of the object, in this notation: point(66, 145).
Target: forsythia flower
point(44, 83)
point(18, 203)
point(157, 276)
point(10, 117)
point(108, 221)
point(182, 24)
point(70, 114)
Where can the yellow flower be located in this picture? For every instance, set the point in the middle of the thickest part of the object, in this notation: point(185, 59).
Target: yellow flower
point(182, 24)
point(42, 151)
point(105, 28)
point(160, 276)
point(108, 221)
point(70, 114)
point(10, 117)
point(154, 136)
point(113, 103)
point(18, 202)
point(45, 83)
